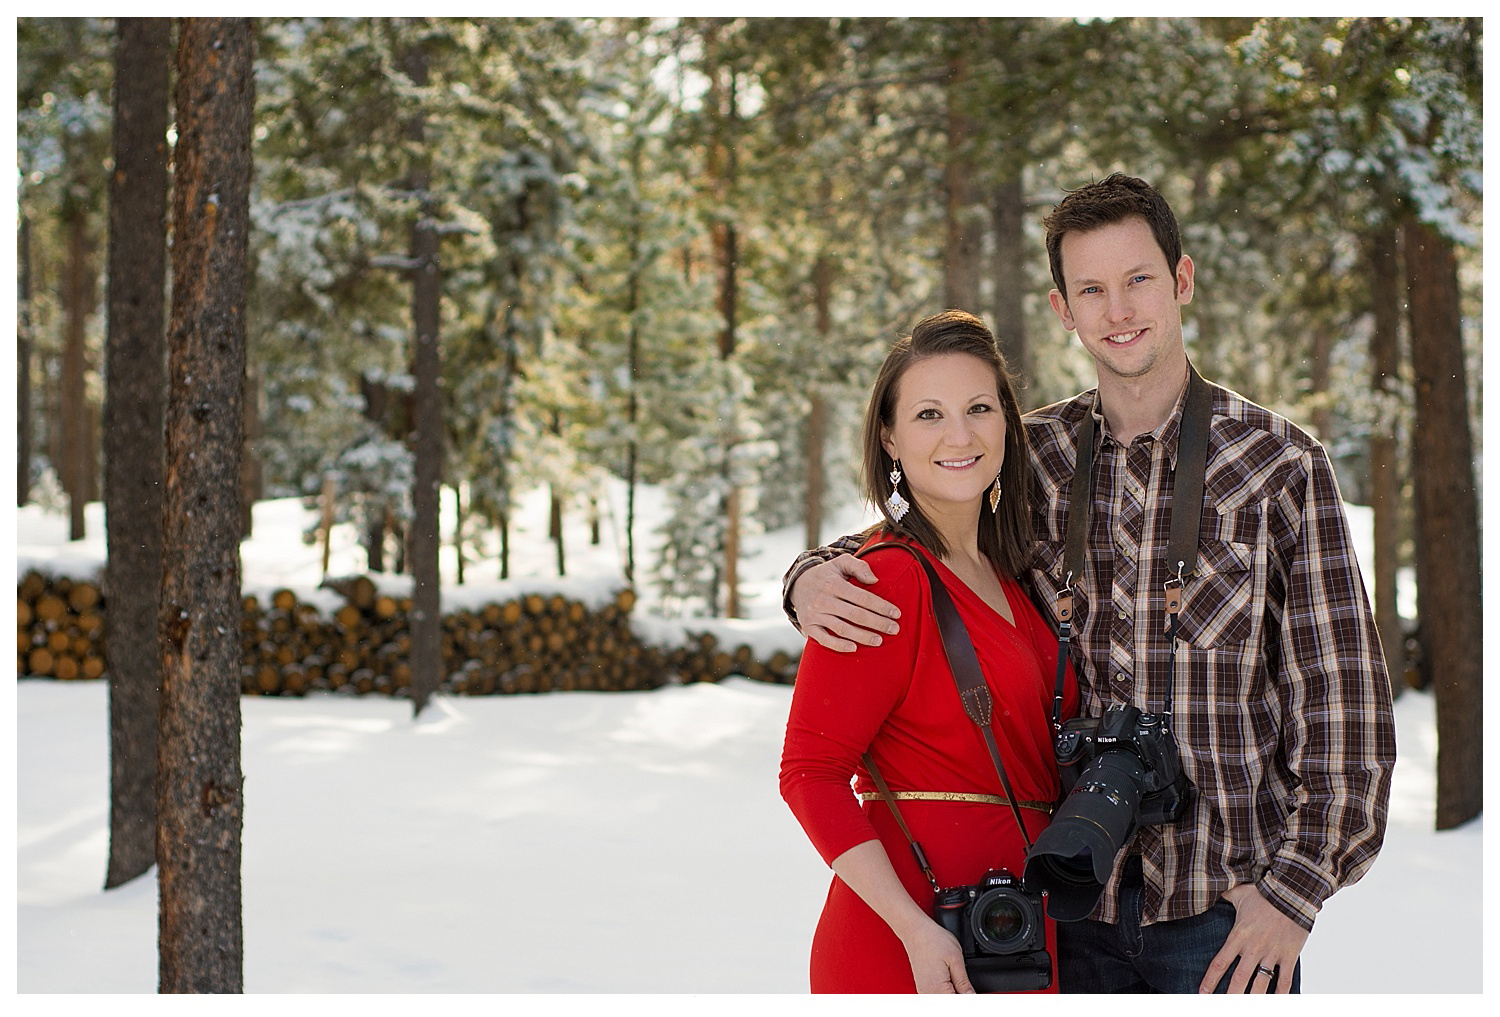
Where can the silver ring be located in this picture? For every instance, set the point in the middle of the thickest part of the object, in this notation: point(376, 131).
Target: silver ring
point(1268, 972)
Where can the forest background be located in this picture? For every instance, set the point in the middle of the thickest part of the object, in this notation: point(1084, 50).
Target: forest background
point(672, 252)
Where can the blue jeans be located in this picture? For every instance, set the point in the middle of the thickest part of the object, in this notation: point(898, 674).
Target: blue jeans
point(1166, 957)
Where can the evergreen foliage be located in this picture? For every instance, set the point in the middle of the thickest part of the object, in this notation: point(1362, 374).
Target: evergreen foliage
point(583, 321)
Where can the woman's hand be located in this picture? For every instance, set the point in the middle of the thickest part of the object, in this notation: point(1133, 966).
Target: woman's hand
point(937, 961)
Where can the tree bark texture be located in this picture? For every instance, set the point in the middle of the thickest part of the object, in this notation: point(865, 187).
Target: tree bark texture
point(200, 809)
point(252, 480)
point(962, 247)
point(723, 168)
point(24, 436)
point(52, 412)
point(633, 355)
point(816, 438)
point(1320, 364)
point(134, 406)
point(80, 284)
point(555, 528)
point(376, 395)
point(1008, 213)
point(1387, 286)
point(427, 423)
point(1448, 587)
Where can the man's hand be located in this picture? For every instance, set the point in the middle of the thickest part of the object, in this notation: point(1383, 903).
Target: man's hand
point(835, 612)
point(1264, 940)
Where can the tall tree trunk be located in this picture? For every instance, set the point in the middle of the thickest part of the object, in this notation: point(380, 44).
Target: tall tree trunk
point(633, 358)
point(502, 526)
point(24, 434)
point(1448, 588)
point(723, 167)
point(505, 413)
point(962, 247)
point(555, 508)
point(460, 518)
point(1387, 288)
point(1319, 372)
point(134, 405)
point(555, 529)
point(252, 481)
point(1208, 354)
point(80, 283)
point(92, 418)
point(427, 423)
point(816, 438)
point(200, 807)
point(377, 399)
point(1008, 271)
point(52, 412)
point(502, 458)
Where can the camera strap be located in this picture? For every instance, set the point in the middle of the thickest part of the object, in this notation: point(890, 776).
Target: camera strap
point(973, 692)
point(1182, 541)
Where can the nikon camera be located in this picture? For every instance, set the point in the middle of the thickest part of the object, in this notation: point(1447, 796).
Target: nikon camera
point(999, 925)
point(1132, 776)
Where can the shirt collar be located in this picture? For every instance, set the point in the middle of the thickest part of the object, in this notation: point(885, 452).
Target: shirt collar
point(1166, 433)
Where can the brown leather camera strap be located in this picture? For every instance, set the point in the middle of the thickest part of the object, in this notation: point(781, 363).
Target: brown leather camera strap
point(1187, 517)
point(890, 799)
point(973, 691)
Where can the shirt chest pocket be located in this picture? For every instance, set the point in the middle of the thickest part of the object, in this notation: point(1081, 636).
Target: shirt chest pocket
point(1218, 608)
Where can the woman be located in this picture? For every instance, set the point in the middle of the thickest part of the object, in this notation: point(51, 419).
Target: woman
point(945, 460)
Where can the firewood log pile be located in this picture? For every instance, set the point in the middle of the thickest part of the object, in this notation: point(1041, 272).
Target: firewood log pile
point(59, 627)
point(533, 643)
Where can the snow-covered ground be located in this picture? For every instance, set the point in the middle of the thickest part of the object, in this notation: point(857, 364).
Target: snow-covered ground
point(563, 843)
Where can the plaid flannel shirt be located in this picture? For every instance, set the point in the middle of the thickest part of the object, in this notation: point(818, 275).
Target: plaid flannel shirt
point(1282, 704)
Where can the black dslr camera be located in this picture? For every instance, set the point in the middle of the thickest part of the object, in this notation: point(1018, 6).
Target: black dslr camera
point(999, 925)
point(1133, 776)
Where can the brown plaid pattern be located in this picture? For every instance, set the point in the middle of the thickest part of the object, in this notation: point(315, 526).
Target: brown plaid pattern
point(1282, 704)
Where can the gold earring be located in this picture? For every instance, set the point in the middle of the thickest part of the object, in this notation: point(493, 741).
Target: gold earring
point(995, 495)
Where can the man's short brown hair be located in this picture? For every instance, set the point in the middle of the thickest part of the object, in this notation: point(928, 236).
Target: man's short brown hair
point(1103, 203)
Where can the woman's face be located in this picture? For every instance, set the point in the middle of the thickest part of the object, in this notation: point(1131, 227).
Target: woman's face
point(948, 431)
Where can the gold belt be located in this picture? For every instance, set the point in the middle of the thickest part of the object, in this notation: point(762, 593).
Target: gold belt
point(953, 796)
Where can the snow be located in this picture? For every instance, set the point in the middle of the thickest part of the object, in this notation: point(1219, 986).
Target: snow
point(564, 843)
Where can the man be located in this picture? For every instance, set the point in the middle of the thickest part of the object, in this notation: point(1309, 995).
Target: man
point(1282, 707)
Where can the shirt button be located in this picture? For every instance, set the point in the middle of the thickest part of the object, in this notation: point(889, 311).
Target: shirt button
point(1122, 615)
point(1122, 678)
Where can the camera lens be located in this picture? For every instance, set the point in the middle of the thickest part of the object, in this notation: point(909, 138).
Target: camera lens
point(1002, 921)
point(1077, 870)
point(1072, 858)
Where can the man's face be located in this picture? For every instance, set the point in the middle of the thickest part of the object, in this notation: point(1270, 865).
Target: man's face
point(1124, 300)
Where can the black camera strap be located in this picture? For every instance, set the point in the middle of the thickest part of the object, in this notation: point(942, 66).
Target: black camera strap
point(973, 692)
point(1182, 542)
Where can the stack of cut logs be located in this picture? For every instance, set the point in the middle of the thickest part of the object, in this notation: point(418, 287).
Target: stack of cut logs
point(59, 627)
point(534, 643)
point(704, 660)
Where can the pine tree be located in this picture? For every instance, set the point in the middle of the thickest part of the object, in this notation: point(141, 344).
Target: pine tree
point(200, 789)
point(133, 440)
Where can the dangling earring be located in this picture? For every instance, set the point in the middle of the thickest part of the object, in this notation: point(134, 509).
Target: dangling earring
point(896, 505)
point(995, 495)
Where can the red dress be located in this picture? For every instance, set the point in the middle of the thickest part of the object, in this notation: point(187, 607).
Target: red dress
point(898, 701)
